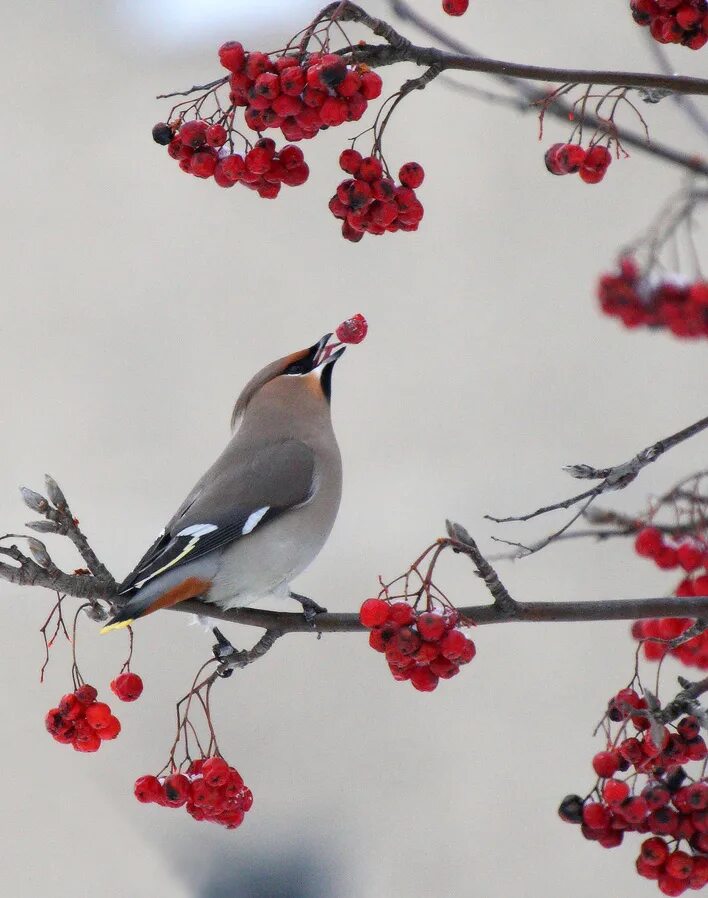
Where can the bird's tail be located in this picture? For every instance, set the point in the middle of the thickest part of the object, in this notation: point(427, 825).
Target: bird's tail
point(156, 595)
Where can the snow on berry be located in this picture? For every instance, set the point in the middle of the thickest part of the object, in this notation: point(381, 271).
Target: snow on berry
point(420, 646)
point(650, 791)
point(81, 721)
point(673, 22)
point(659, 301)
point(209, 789)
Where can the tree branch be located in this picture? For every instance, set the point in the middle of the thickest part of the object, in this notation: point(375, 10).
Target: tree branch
point(43, 572)
point(559, 109)
point(399, 49)
point(614, 478)
point(686, 104)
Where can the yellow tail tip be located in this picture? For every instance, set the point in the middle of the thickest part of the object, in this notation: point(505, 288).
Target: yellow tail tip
point(118, 625)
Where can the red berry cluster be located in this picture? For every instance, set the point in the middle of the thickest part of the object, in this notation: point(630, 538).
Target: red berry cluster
point(570, 158)
point(690, 555)
point(455, 7)
point(81, 721)
point(658, 797)
point(420, 646)
point(210, 790)
point(371, 203)
point(674, 21)
point(198, 147)
point(353, 330)
point(671, 301)
point(299, 96)
point(127, 686)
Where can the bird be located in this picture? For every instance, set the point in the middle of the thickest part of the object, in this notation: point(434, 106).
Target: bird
point(261, 513)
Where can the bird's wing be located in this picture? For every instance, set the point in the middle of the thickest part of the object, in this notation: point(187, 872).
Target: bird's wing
point(242, 491)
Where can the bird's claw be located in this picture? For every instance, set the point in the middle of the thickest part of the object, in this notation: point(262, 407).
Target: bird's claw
point(310, 608)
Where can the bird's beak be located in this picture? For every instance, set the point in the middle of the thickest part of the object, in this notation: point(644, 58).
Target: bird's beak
point(327, 352)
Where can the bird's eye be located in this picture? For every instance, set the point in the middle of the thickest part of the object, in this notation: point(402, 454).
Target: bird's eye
point(302, 366)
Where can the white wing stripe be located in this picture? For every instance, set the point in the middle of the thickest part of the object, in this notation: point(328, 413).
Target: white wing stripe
point(254, 519)
point(198, 530)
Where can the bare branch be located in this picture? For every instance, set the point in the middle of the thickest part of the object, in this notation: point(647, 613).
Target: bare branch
point(614, 478)
point(503, 602)
point(688, 106)
point(63, 522)
point(559, 109)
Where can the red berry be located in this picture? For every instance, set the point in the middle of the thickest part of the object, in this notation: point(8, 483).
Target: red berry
point(689, 556)
point(215, 772)
point(98, 715)
point(203, 163)
point(597, 158)
point(615, 791)
point(668, 885)
point(258, 160)
point(292, 81)
point(423, 679)
point(233, 166)
point(411, 174)
point(596, 815)
point(431, 626)
point(86, 694)
point(654, 851)
point(291, 156)
point(648, 542)
point(85, 738)
point(176, 789)
point(455, 7)
point(70, 707)
point(267, 85)
point(370, 169)
point(127, 686)
point(605, 763)
point(232, 56)
point(353, 331)
point(216, 135)
point(148, 789)
point(256, 64)
point(349, 161)
point(634, 810)
point(110, 730)
point(452, 645)
point(371, 85)
point(373, 612)
point(400, 613)
point(333, 111)
point(591, 175)
point(296, 174)
point(193, 134)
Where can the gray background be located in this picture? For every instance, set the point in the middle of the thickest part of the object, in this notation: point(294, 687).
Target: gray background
point(137, 301)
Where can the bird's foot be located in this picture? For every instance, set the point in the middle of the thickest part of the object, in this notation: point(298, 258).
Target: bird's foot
point(223, 652)
point(310, 608)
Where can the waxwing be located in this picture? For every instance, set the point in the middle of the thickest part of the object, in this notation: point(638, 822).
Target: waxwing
point(263, 510)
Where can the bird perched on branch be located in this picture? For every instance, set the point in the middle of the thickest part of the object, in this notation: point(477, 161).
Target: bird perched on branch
point(264, 509)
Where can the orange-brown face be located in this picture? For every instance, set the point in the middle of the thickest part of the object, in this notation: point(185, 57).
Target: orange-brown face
point(314, 365)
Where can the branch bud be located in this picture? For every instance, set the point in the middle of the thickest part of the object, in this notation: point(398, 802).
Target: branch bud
point(43, 526)
point(584, 472)
point(39, 551)
point(34, 500)
point(55, 494)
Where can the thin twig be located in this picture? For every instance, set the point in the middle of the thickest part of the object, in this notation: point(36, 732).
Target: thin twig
point(560, 110)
